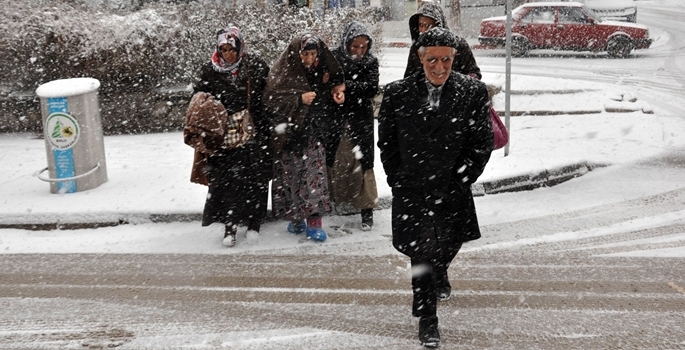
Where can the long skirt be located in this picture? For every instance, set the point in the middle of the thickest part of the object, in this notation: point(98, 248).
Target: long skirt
point(300, 186)
point(238, 186)
point(349, 183)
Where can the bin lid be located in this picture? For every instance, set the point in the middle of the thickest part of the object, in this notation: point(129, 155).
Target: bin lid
point(68, 87)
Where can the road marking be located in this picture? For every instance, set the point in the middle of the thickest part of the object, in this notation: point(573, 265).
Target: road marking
point(631, 225)
point(677, 287)
point(42, 331)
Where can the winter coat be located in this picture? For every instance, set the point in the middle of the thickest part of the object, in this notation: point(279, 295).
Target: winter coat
point(464, 62)
point(361, 85)
point(293, 122)
point(238, 176)
point(431, 158)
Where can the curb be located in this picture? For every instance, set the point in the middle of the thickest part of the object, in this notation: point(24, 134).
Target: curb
point(545, 178)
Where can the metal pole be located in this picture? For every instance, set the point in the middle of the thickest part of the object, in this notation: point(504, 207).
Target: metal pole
point(507, 81)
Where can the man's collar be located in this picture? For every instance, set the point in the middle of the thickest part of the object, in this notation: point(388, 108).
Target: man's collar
point(432, 87)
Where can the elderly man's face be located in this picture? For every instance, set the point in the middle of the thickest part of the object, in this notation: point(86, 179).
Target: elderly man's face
point(437, 63)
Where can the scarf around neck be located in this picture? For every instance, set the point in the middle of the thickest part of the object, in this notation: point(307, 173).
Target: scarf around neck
point(220, 65)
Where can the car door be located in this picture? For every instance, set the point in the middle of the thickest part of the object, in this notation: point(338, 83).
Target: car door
point(574, 29)
point(538, 26)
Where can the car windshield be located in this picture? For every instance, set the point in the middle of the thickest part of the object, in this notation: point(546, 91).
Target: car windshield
point(517, 12)
point(592, 14)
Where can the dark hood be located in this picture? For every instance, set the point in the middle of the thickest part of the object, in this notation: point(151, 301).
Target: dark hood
point(428, 9)
point(353, 30)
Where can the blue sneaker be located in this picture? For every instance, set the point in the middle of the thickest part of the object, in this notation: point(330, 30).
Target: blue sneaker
point(297, 227)
point(316, 234)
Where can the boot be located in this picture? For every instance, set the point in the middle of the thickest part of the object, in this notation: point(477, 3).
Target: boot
point(229, 235)
point(367, 219)
point(443, 289)
point(444, 293)
point(253, 227)
point(314, 230)
point(297, 226)
point(429, 336)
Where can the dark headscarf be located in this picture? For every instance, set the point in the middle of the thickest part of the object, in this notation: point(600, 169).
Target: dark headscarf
point(464, 62)
point(288, 81)
point(427, 9)
point(309, 42)
point(353, 30)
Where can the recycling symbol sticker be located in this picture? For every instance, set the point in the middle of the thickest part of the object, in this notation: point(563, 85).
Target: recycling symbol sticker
point(61, 130)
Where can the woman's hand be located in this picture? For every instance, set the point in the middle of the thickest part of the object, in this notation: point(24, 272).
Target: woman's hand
point(338, 93)
point(308, 97)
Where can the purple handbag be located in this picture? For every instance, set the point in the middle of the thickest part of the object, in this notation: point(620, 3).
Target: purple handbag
point(501, 135)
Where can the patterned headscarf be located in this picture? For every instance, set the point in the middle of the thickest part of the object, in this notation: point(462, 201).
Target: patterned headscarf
point(309, 42)
point(230, 35)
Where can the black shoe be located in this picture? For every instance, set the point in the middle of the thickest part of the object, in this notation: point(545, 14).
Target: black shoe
point(444, 293)
point(443, 288)
point(367, 219)
point(429, 336)
point(253, 225)
point(229, 236)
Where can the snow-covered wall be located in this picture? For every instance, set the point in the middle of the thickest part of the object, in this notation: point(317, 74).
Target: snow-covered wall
point(145, 58)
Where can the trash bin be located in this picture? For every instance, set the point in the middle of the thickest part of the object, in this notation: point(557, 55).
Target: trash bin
point(73, 135)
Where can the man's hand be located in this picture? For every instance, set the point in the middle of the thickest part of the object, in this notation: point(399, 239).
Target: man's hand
point(308, 97)
point(338, 93)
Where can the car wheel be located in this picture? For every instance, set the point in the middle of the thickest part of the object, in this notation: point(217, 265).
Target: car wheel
point(619, 47)
point(519, 46)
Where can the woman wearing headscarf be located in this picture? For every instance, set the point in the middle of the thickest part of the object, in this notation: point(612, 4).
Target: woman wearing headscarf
point(238, 178)
point(303, 89)
point(350, 153)
point(430, 15)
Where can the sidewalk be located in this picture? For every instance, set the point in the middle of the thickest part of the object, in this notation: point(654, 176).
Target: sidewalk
point(149, 174)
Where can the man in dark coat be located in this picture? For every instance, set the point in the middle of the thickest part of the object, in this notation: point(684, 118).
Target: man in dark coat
point(356, 123)
point(435, 138)
point(430, 15)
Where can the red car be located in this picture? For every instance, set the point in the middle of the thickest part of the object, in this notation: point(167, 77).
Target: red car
point(563, 26)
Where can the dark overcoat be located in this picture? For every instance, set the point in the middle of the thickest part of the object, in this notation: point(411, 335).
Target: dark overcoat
point(431, 158)
point(238, 178)
point(463, 63)
point(361, 86)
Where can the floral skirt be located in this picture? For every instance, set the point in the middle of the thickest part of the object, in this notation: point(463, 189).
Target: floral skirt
point(300, 186)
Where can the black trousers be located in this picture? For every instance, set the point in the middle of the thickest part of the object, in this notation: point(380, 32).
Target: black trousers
point(429, 271)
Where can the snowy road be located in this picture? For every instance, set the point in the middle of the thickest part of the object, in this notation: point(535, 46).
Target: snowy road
point(550, 295)
point(657, 74)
